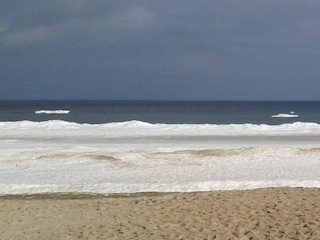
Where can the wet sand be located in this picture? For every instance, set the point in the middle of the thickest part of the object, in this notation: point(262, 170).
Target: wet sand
point(273, 213)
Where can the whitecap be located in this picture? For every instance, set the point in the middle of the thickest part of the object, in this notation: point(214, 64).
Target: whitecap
point(285, 115)
point(52, 112)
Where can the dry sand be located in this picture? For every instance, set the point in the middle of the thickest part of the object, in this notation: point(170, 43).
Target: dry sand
point(274, 213)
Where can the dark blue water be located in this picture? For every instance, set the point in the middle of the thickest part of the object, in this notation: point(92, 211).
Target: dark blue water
point(190, 112)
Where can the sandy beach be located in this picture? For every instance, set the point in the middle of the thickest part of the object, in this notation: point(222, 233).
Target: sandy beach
point(272, 213)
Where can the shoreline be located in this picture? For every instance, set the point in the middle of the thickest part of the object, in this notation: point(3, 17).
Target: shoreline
point(90, 195)
point(267, 213)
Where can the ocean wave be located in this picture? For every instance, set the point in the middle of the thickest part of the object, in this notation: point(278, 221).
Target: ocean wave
point(52, 112)
point(285, 115)
point(138, 128)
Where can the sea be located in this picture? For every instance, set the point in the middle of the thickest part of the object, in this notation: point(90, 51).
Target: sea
point(166, 112)
point(157, 146)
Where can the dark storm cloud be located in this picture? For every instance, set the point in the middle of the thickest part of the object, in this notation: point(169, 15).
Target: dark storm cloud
point(62, 22)
point(215, 50)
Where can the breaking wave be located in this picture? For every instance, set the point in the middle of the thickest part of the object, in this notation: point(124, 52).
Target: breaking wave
point(285, 115)
point(52, 112)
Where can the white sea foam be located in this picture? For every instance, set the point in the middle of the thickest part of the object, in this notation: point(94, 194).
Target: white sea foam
point(285, 115)
point(142, 128)
point(52, 112)
point(59, 156)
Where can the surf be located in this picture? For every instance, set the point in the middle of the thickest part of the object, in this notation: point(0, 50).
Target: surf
point(52, 112)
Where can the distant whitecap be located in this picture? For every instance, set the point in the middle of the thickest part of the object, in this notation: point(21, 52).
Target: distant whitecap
point(285, 115)
point(52, 112)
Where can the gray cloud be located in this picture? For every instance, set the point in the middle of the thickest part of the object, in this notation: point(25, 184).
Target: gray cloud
point(62, 22)
point(250, 49)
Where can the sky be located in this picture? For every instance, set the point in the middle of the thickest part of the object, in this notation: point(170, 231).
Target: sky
point(160, 50)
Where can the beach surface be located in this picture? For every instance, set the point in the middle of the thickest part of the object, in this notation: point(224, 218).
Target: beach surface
point(271, 213)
